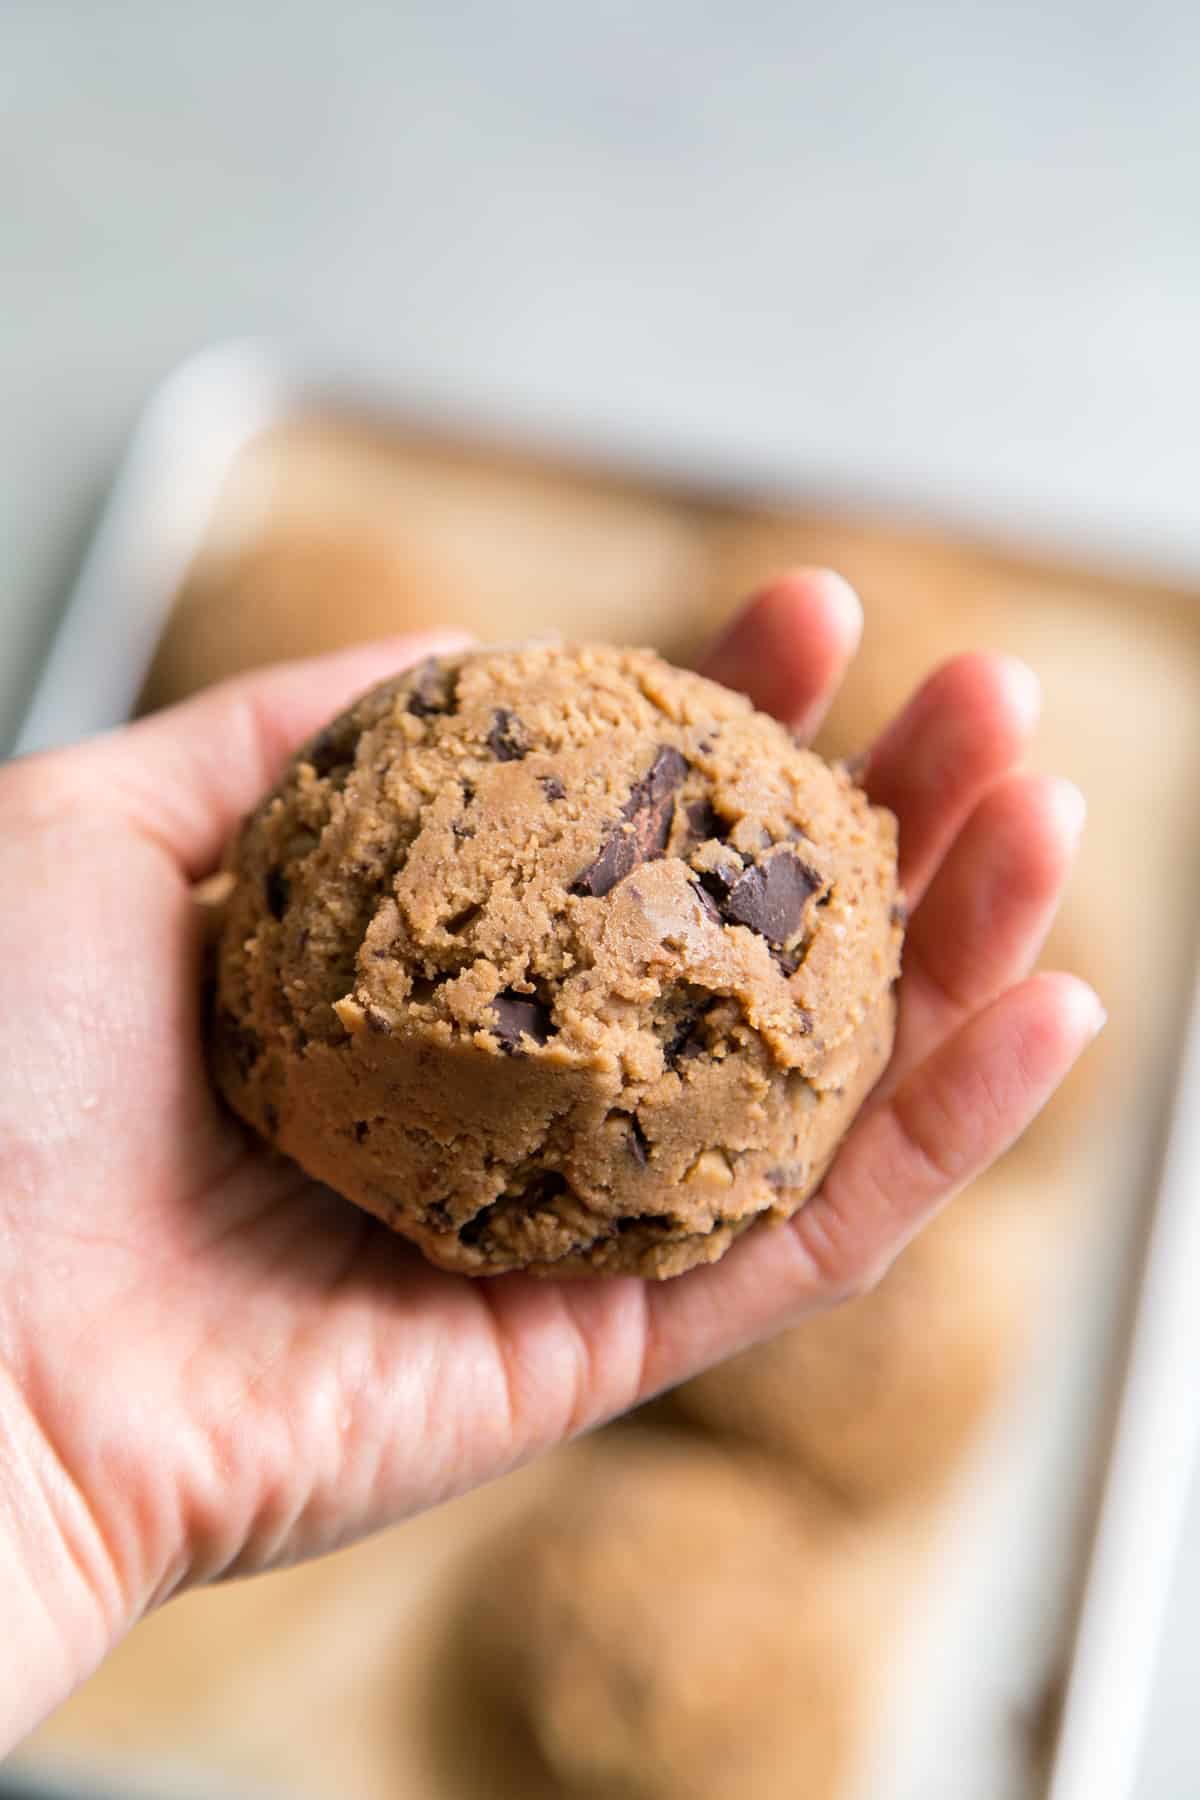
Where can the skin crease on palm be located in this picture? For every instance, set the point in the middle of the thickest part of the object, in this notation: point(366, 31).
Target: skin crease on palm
point(208, 1364)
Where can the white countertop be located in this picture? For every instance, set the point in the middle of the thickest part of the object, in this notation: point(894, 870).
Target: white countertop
point(931, 251)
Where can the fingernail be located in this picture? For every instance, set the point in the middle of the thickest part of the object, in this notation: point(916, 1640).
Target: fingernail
point(1024, 690)
point(1099, 1014)
point(1070, 808)
point(846, 603)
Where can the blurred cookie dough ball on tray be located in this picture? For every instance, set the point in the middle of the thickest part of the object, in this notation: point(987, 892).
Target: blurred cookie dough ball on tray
point(673, 1624)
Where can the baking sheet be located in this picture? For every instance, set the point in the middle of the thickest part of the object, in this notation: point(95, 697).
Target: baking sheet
point(1013, 1533)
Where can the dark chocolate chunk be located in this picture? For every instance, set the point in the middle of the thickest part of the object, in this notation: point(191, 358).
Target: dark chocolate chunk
point(433, 690)
point(506, 739)
point(518, 1017)
point(331, 752)
point(277, 893)
point(707, 903)
point(378, 1022)
point(685, 1041)
point(645, 824)
point(718, 882)
point(704, 821)
point(243, 1045)
point(770, 897)
point(552, 787)
point(474, 1231)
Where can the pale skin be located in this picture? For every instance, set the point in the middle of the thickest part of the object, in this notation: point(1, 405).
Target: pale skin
point(211, 1366)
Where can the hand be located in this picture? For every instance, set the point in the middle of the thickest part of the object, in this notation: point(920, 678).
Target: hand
point(209, 1364)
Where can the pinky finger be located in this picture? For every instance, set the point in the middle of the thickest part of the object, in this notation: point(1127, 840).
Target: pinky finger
point(945, 1123)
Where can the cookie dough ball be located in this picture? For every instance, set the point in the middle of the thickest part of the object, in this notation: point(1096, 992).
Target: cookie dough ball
point(670, 1625)
point(559, 959)
point(881, 1398)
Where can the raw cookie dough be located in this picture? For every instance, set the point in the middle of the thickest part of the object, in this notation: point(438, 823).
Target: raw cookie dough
point(559, 958)
point(880, 1399)
point(670, 1624)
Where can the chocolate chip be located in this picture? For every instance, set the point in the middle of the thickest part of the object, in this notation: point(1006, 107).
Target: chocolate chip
point(718, 882)
point(770, 897)
point(472, 1233)
point(506, 739)
point(433, 690)
point(244, 1046)
point(331, 751)
point(685, 1042)
point(645, 824)
point(518, 1017)
point(707, 904)
point(378, 1022)
point(552, 787)
point(277, 893)
point(704, 821)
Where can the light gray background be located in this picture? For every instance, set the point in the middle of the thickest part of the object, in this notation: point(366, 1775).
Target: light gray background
point(943, 251)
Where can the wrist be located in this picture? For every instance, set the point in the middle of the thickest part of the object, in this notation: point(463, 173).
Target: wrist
point(58, 1592)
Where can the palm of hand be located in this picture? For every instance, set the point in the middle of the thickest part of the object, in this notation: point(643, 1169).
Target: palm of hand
point(222, 1365)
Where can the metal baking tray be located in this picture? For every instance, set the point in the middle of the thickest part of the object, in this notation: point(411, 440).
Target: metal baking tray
point(1119, 1396)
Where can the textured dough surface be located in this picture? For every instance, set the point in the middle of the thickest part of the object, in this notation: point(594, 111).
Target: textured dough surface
point(559, 958)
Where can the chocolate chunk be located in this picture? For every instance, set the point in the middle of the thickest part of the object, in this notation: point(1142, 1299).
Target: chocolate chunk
point(277, 893)
point(645, 824)
point(243, 1045)
point(718, 882)
point(433, 690)
point(770, 898)
point(518, 1017)
point(707, 903)
point(552, 787)
point(685, 1041)
point(474, 1231)
point(704, 821)
point(506, 739)
point(331, 753)
point(378, 1022)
